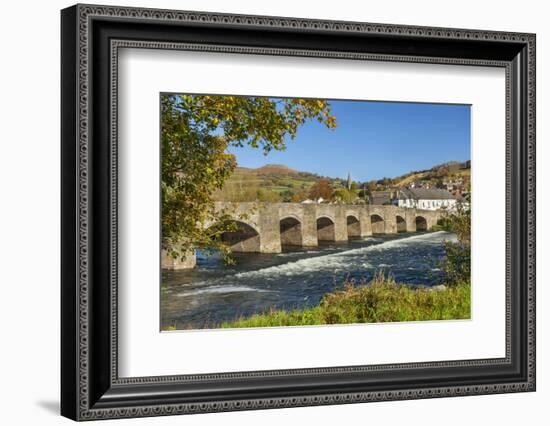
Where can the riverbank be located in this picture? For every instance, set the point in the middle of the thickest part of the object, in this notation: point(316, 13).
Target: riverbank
point(298, 279)
point(382, 300)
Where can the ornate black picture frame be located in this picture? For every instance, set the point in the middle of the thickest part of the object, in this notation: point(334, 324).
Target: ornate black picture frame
point(91, 36)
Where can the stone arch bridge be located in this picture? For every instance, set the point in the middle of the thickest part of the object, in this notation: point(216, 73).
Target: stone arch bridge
point(268, 227)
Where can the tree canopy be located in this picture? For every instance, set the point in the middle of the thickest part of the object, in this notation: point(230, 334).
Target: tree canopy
point(344, 195)
point(321, 189)
point(196, 132)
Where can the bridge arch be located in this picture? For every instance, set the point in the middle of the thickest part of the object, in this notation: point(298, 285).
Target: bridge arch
point(421, 223)
point(242, 237)
point(401, 223)
point(291, 231)
point(353, 226)
point(326, 229)
point(378, 224)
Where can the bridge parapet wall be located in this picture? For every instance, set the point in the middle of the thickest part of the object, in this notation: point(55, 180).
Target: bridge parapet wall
point(307, 224)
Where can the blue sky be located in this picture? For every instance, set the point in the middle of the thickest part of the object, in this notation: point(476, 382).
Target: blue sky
point(373, 140)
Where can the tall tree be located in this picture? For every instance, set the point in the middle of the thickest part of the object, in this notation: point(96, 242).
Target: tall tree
point(457, 264)
point(196, 132)
point(344, 195)
point(321, 189)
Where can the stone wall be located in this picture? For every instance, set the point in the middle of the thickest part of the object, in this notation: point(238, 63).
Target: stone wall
point(266, 227)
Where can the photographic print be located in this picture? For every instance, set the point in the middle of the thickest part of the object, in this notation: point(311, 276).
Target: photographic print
point(312, 212)
point(307, 181)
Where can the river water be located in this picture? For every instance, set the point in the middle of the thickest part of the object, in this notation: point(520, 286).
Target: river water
point(213, 292)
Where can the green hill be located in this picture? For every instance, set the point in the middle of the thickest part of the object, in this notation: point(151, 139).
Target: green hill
point(435, 175)
point(280, 183)
point(272, 182)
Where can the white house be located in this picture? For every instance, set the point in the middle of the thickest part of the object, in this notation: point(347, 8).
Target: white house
point(319, 200)
point(426, 199)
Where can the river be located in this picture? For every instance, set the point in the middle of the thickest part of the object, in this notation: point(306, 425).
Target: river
point(213, 292)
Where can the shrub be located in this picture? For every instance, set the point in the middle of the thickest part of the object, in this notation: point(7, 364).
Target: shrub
point(457, 263)
point(457, 260)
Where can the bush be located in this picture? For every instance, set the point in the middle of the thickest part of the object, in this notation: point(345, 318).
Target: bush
point(457, 263)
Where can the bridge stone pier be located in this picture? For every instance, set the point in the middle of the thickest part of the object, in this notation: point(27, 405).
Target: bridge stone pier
point(269, 227)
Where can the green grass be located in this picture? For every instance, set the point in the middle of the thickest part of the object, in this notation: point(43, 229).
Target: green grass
point(278, 188)
point(269, 179)
point(382, 300)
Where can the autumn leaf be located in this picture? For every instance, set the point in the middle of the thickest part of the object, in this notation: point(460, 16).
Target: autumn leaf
point(196, 132)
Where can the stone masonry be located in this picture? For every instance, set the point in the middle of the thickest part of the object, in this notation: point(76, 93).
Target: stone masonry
point(267, 227)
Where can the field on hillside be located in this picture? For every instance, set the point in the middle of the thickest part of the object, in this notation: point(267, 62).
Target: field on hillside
point(279, 183)
point(267, 183)
point(441, 172)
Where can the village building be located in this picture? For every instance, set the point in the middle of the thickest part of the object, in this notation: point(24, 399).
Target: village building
point(425, 199)
point(421, 184)
point(458, 187)
point(382, 198)
point(319, 200)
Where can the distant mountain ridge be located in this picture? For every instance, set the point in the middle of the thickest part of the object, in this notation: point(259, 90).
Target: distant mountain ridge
point(271, 182)
point(435, 174)
point(278, 182)
point(280, 169)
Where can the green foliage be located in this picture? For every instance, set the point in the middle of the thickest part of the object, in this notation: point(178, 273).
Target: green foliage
point(291, 186)
point(286, 195)
point(268, 196)
point(458, 222)
point(196, 132)
point(382, 300)
point(457, 264)
point(385, 181)
point(344, 195)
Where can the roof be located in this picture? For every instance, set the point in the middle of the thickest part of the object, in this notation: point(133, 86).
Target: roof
point(380, 197)
point(425, 194)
